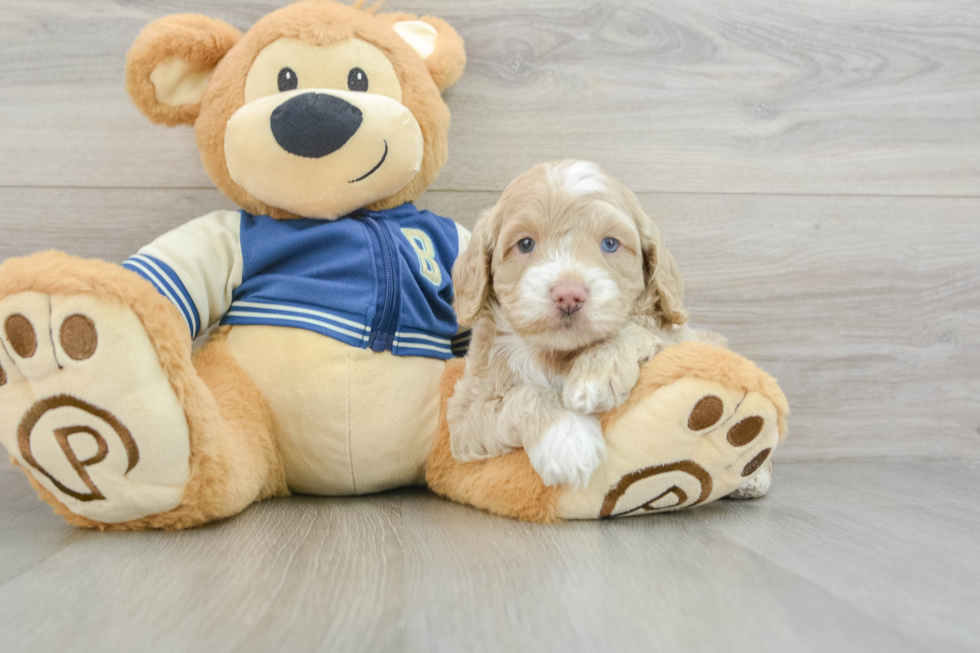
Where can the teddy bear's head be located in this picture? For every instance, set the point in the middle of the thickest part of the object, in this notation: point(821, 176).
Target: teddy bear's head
point(318, 110)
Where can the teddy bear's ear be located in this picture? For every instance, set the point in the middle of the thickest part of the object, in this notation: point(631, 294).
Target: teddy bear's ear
point(436, 42)
point(169, 65)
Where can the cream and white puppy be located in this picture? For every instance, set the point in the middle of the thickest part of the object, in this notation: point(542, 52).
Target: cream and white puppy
point(569, 290)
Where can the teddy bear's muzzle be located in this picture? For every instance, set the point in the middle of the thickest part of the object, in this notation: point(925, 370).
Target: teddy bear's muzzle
point(313, 125)
point(322, 153)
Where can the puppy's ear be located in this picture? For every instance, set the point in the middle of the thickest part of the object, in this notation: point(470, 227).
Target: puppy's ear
point(440, 47)
point(471, 273)
point(170, 63)
point(664, 288)
point(663, 295)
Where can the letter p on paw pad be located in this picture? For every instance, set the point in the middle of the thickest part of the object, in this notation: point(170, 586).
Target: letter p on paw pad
point(87, 409)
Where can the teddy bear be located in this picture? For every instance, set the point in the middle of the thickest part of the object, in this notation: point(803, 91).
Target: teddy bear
point(332, 343)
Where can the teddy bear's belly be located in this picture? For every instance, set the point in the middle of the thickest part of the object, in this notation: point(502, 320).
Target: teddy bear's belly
point(346, 420)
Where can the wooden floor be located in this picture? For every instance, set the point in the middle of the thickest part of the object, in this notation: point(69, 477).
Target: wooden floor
point(857, 556)
point(815, 169)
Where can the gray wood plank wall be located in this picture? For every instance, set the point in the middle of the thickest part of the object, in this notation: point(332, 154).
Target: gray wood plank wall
point(815, 168)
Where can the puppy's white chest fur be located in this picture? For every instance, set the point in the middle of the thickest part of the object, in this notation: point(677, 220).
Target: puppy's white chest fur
point(522, 359)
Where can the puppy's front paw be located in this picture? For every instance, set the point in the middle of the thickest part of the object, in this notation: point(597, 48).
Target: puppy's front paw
point(600, 386)
point(570, 451)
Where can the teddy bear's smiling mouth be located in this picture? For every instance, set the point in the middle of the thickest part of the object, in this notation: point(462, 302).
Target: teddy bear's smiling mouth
point(374, 169)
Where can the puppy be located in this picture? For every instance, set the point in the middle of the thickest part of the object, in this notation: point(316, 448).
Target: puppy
point(569, 290)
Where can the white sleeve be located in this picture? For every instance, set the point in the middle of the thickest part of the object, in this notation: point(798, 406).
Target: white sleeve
point(197, 267)
point(461, 341)
point(464, 238)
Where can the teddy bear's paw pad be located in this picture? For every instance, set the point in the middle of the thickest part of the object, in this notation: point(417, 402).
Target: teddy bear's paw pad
point(743, 439)
point(686, 444)
point(86, 408)
point(709, 411)
point(657, 488)
point(735, 436)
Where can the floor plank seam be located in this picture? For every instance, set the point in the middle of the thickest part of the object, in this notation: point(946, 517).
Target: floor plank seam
point(433, 191)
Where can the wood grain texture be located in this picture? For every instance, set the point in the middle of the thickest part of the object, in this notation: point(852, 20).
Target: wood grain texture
point(783, 96)
point(815, 169)
point(840, 557)
point(867, 309)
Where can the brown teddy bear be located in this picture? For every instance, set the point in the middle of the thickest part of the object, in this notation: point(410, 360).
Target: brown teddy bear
point(336, 345)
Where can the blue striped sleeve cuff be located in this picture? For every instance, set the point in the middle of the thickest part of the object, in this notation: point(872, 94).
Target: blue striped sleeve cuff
point(168, 284)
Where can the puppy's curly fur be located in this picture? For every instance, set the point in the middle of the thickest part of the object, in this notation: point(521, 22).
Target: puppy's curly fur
point(569, 289)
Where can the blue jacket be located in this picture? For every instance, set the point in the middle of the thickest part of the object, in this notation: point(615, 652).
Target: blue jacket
point(373, 279)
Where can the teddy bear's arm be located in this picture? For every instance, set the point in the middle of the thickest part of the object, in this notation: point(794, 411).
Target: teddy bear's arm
point(196, 266)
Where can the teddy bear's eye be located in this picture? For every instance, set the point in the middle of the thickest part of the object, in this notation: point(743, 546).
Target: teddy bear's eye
point(287, 79)
point(357, 80)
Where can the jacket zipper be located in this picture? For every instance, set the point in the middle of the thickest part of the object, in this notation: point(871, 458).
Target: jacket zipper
point(382, 334)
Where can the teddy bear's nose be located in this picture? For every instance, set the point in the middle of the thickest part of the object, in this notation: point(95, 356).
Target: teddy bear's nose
point(314, 124)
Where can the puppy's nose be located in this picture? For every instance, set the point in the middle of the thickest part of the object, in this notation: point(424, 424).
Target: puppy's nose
point(568, 296)
point(314, 125)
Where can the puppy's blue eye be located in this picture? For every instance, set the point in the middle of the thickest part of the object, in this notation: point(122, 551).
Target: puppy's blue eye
point(526, 245)
point(609, 245)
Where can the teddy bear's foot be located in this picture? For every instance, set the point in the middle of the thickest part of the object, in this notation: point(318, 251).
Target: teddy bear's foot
point(701, 423)
point(679, 443)
point(87, 410)
point(104, 409)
